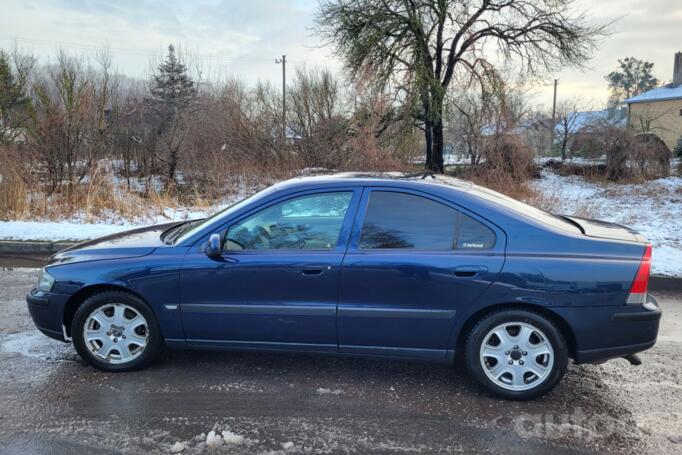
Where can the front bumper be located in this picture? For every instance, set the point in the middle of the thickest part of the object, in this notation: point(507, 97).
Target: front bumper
point(609, 332)
point(47, 311)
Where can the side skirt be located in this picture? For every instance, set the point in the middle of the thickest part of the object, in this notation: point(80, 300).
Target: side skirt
point(429, 355)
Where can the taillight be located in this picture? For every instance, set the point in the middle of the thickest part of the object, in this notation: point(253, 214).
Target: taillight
point(639, 286)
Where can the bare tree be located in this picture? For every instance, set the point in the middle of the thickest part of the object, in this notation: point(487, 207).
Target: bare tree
point(476, 112)
point(419, 46)
point(316, 116)
point(570, 119)
point(647, 119)
point(64, 118)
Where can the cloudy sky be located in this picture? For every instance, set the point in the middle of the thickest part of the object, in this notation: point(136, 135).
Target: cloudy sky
point(243, 37)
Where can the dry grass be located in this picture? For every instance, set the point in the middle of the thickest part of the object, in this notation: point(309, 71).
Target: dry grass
point(103, 195)
point(553, 202)
point(22, 197)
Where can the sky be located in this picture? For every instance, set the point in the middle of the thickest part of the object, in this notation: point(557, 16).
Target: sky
point(243, 38)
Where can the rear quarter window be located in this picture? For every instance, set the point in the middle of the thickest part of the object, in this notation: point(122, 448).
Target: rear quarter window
point(474, 235)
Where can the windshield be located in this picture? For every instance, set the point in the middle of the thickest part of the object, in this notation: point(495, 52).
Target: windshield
point(200, 224)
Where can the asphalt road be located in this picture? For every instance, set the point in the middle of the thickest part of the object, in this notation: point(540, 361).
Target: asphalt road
point(50, 402)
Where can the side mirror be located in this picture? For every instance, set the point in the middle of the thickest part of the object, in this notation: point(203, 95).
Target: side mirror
point(213, 249)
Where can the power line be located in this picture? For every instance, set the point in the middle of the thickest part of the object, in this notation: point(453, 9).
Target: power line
point(135, 52)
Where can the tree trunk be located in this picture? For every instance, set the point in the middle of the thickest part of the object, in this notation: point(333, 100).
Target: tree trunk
point(428, 139)
point(434, 112)
point(172, 166)
point(437, 148)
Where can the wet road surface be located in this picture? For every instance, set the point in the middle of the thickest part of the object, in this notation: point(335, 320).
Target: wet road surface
point(50, 402)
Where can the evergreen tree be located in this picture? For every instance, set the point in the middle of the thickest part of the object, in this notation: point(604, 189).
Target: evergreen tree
point(173, 95)
point(174, 90)
point(14, 104)
point(632, 77)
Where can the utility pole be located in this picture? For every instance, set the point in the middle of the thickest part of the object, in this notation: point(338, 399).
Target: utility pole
point(552, 132)
point(283, 61)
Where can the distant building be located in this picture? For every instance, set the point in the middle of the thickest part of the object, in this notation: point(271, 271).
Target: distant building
point(660, 110)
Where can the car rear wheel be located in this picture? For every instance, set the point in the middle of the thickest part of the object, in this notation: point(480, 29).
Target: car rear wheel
point(516, 354)
point(116, 331)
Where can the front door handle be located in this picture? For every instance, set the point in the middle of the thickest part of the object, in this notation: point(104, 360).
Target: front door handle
point(469, 271)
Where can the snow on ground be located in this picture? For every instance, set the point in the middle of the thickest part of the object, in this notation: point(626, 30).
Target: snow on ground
point(77, 229)
point(653, 208)
point(53, 231)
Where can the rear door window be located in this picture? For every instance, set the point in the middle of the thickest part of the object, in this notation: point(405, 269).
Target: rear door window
point(406, 221)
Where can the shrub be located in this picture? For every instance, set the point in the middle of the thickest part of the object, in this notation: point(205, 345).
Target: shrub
point(508, 165)
point(618, 143)
point(650, 155)
point(507, 155)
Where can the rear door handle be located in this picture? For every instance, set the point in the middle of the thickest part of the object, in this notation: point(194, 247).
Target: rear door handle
point(469, 271)
point(315, 270)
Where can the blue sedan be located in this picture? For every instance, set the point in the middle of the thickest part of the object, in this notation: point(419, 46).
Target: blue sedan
point(386, 266)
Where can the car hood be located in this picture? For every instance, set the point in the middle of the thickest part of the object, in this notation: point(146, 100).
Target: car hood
point(128, 244)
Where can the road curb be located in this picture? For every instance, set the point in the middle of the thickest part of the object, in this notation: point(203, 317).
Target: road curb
point(665, 283)
point(38, 249)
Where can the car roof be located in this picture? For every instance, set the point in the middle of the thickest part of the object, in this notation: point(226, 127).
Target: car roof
point(399, 179)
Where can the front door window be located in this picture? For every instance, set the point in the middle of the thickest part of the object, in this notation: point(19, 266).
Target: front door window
point(311, 222)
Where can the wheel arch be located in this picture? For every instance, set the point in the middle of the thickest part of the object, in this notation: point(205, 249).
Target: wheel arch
point(543, 311)
point(84, 293)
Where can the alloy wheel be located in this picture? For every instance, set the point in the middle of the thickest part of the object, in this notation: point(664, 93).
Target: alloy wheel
point(516, 356)
point(116, 333)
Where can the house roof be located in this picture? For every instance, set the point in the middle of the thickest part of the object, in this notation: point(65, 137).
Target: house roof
point(667, 92)
point(579, 120)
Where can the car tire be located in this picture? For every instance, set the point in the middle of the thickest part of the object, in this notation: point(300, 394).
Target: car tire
point(116, 331)
point(516, 354)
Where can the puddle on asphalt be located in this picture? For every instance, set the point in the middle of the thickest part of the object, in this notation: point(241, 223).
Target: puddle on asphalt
point(35, 345)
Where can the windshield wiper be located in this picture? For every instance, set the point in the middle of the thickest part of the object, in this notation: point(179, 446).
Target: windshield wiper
point(172, 233)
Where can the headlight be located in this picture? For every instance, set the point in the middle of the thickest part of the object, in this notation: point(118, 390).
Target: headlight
point(46, 281)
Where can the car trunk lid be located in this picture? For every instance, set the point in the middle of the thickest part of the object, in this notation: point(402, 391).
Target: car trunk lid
point(605, 230)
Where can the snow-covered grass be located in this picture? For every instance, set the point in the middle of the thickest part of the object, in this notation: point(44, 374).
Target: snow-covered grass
point(78, 228)
point(74, 229)
point(653, 208)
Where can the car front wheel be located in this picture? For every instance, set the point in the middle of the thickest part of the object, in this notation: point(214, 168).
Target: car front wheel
point(516, 354)
point(116, 331)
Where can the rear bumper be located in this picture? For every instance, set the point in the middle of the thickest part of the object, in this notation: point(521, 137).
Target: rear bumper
point(605, 333)
point(604, 354)
point(47, 311)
